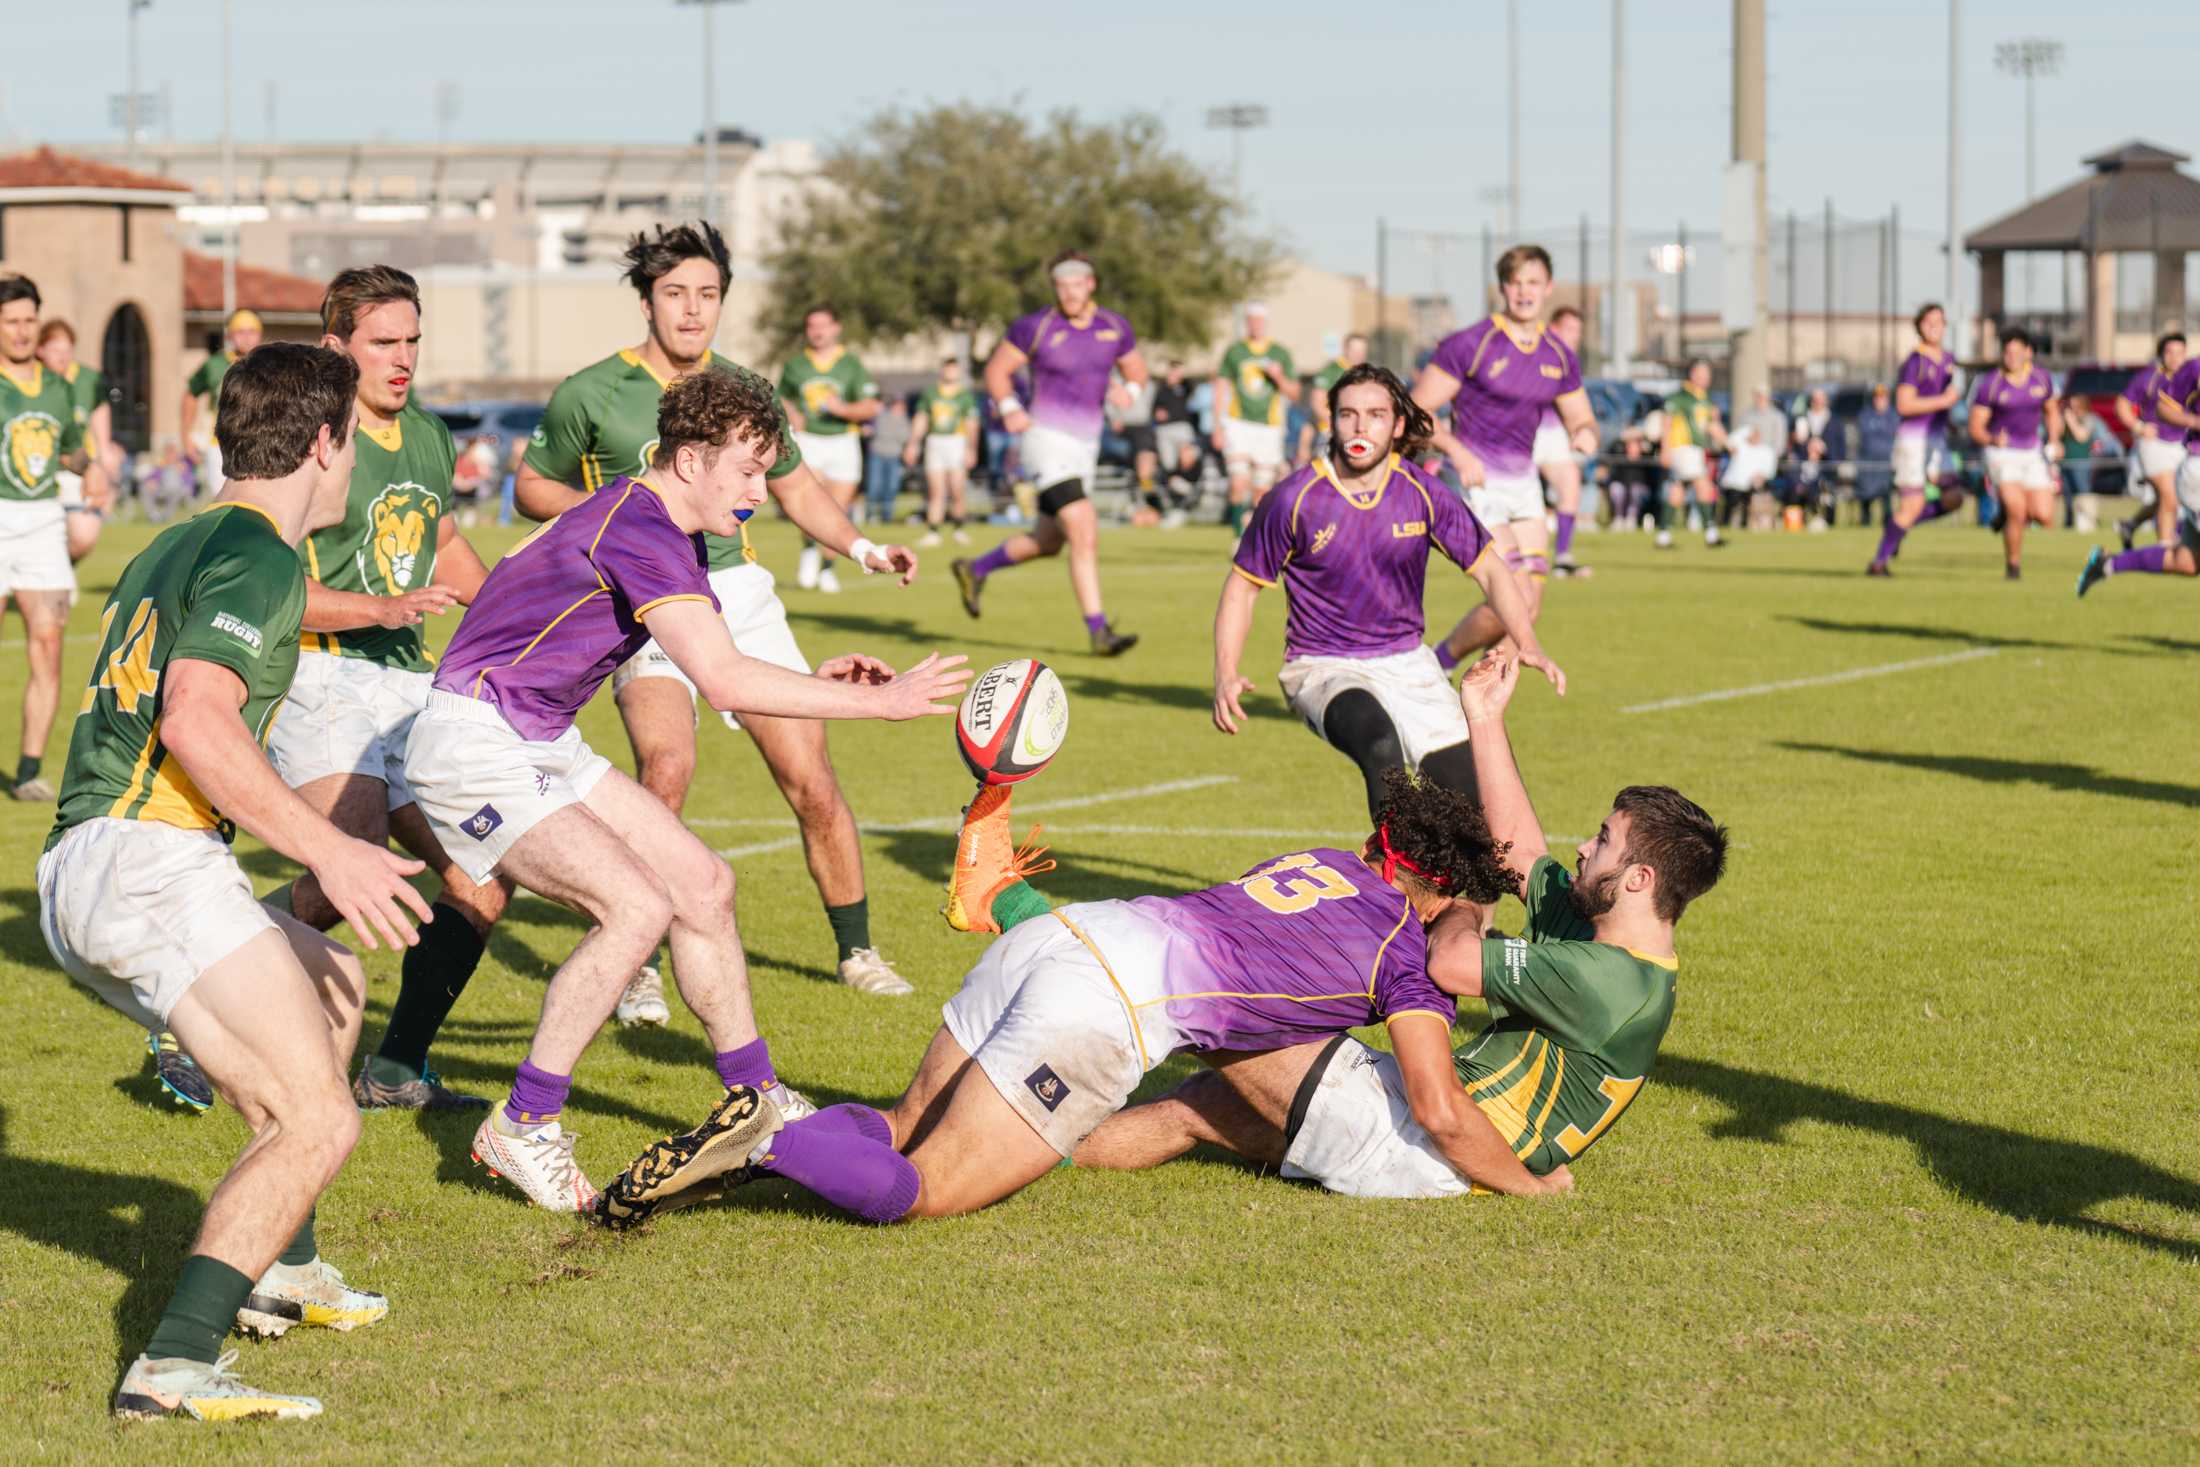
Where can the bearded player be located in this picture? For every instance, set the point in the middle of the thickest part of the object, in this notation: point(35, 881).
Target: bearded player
point(1252, 387)
point(1924, 391)
point(829, 397)
point(1499, 375)
point(1578, 1008)
point(2007, 413)
point(1072, 348)
point(1064, 1015)
point(1350, 538)
point(602, 422)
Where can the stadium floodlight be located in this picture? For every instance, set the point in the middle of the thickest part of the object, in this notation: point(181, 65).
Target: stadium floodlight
point(1238, 118)
point(2029, 57)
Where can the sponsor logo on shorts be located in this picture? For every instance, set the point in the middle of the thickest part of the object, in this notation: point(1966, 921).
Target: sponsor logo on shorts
point(243, 631)
point(542, 783)
point(482, 823)
point(1048, 1086)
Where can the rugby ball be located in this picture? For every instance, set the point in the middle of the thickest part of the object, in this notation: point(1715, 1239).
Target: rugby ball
point(1012, 721)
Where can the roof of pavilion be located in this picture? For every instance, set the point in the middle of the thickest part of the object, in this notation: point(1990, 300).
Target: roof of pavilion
point(2135, 199)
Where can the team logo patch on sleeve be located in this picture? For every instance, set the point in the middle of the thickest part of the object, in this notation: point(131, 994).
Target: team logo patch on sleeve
point(1048, 1086)
point(243, 631)
point(482, 822)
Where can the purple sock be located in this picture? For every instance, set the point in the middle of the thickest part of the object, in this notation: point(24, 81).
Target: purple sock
point(991, 561)
point(1445, 657)
point(1933, 511)
point(852, 1172)
point(855, 1120)
point(750, 1065)
point(537, 1095)
point(1096, 624)
point(2148, 561)
point(1565, 534)
point(1890, 540)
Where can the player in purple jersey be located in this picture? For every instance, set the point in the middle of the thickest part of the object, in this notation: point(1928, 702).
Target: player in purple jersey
point(511, 789)
point(1065, 1014)
point(1072, 348)
point(2159, 447)
point(1499, 375)
point(1555, 457)
point(2178, 407)
point(2016, 416)
point(1350, 537)
point(1925, 390)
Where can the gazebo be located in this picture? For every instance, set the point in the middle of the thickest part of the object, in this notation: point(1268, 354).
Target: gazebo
point(2136, 201)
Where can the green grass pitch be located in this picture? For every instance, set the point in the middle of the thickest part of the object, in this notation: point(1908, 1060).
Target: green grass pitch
point(1918, 1174)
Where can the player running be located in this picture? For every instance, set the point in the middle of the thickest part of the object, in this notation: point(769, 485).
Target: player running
point(1499, 375)
point(511, 790)
point(1555, 458)
point(39, 440)
point(1315, 431)
point(1252, 386)
point(2160, 448)
point(1578, 1008)
point(142, 901)
point(83, 518)
point(1072, 347)
point(949, 445)
point(2177, 406)
point(829, 397)
point(1925, 389)
point(2006, 412)
point(1067, 1012)
point(1692, 430)
point(601, 423)
point(241, 333)
point(1350, 538)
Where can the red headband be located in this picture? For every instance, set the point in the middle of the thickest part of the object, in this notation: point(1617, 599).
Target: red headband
point(1393, 859)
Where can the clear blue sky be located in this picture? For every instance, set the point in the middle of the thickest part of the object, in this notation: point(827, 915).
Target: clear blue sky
point(1395, 109)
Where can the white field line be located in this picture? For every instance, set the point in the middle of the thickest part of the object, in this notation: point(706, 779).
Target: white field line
point(950, 822)
point(1854, 674)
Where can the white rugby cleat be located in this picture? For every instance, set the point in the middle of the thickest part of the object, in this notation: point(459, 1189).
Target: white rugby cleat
point(537, 1159)
point(866, 972)
point(643, 1003)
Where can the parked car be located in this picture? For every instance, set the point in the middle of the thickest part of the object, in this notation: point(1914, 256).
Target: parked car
point(2100, 384)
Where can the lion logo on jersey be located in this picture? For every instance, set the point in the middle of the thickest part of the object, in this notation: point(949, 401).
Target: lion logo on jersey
point(397, 527)
point(28, 447)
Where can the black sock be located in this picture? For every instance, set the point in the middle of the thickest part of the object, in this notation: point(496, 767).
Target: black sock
point(434, 975)
point(201, 1311)
point(851, 925)
point(302, 1249)
point(26, 768)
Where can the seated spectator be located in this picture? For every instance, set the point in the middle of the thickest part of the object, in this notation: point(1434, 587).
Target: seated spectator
point(886, 444)
point(1875, 435)
point(1631, 481)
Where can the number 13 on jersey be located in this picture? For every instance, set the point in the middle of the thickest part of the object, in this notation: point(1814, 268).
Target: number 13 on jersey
point(1294, 884)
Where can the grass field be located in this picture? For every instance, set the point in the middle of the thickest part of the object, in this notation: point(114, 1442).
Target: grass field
point(1917, 1176)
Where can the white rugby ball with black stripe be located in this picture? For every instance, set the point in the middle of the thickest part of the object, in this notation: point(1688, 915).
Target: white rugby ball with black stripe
point(1012, 721)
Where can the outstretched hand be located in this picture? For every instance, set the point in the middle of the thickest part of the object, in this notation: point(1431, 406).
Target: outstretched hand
point(934, 685)
point(1552, 672)
point(855, 667)
point(893, 560)
point(1488, 687)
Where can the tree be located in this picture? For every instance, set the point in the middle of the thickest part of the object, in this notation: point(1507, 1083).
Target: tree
point(944, 220)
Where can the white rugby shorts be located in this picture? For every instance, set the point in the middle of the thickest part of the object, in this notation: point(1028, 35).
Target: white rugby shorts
point(482, 786)
point(1688, 463)
point(2018, 468)
point(1916, 461)
point(836, 458)
point(755, 616)
point(2158, 456)
point(946, 453)
point(1253, 447)
point(1050, 456)
point(2188, 485)
point(347, 715)
point(136, 911)
point(1358, 1136)
point(1551, 446)
point(1501, 499)
point(34, 547)
point(1410, 686)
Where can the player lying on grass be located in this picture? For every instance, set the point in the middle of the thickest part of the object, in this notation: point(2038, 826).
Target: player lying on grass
point(1063, 1016)
point(511, 789)
point(1350, 538)
point(1577, 1009)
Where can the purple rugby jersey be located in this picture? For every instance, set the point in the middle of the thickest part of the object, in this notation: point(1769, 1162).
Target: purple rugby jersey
point(1929, 372)
point(1070, 367)
point(2183, 389)
point(565, 607)
point(1302, 946)
point(2014, 407)
point(1353, 566)
point(1503, 389)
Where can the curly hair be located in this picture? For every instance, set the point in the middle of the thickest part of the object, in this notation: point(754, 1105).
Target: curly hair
point(1415, 427)
point(711, 409)
point(1439, 836)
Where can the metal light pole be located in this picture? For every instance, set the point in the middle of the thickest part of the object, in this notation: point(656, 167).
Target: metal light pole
point(1615, 304)
point(1513, 213)
point(1237, 118)
point(229, 183)
point(710, 105)
point(2029, 57)
point(1952, 296)
point(1751, 364)
point(133, 119)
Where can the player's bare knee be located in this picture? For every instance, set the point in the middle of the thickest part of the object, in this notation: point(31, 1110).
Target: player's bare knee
point(483, 905)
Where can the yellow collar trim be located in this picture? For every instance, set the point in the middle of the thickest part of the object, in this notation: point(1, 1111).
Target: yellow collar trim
point(389, 439)
point(38, 379)
point(1323, 470)
point(826, 363)
point(1504, 324)
point(634, 358)
point(240, 504)
point(1671, 965)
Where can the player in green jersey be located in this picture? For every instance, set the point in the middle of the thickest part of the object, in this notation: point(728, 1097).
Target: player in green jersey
point(829, 397)
point(241, 333)
point(948, 410)
point(1252, 386)
point(39, 441)
point(1316, 428)
point(88, 393)
point(1692, 431)
point(602, 422)
point(142, 901)
point(1577, 1006)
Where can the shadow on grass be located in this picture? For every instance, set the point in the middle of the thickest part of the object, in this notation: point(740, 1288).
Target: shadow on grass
point(1961, 635)
point(131, 1225)
point(1192, 698)
point(2166, 644)
point(2074, 777)
point(954, 639)
point(2028, 1178)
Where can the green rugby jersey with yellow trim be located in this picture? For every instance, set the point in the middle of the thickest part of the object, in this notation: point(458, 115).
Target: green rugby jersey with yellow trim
point(1254, 397)
point(946, 413)
point(602, 422)
point(385, 546)
point(38, 427)
point(1317, 404)
point(1574, 1028)
point(222, 587)
point(87, 390)
point(809, 380)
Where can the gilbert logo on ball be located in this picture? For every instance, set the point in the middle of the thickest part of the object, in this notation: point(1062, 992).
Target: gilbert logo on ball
point(1012, 722)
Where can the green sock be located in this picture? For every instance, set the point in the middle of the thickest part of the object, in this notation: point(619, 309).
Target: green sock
point(851, 925)
point(302, 1248)
point(279, 899)
point(1018, 903)
point(26, 768)
point(201, 1312)
point(1239, 514)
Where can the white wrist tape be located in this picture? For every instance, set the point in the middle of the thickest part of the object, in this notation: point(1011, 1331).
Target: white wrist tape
point(1007, 406)
point(860, 552)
